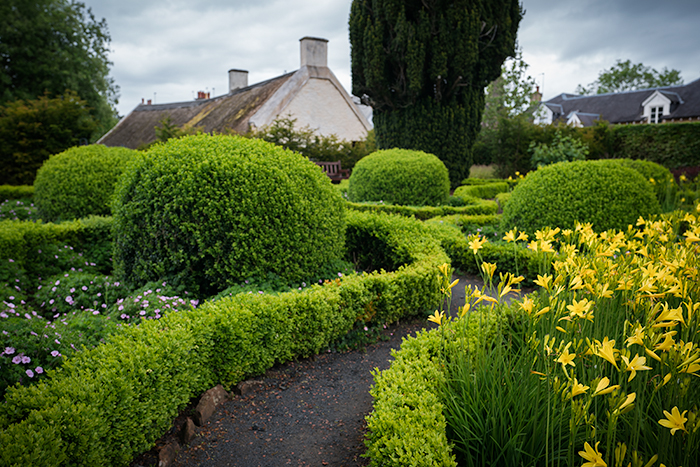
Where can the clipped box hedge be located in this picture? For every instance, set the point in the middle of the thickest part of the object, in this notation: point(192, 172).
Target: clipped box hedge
point(24, 241)
point(110, 403)
point(474, 207)
point(484, 191)
point(16, 192)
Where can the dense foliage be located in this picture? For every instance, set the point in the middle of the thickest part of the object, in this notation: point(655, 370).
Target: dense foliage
point(209, 211)
point(316, 147)
point(626, 76)
point(564, 148)
point(400, 176)
point(55, 45)
point(79, 182)
point(423, 67)
point(33, 130)
point(604, 193)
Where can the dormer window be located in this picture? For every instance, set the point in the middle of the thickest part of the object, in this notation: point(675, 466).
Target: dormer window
point(655, 115)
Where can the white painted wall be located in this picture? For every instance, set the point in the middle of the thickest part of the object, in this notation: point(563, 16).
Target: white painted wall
point(321, 106)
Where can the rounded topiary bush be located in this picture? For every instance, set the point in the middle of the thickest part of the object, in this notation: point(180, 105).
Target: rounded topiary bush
point(206, 212)
point(79, 181)
point(659, 176)
point(604, 193)
point(400, 176)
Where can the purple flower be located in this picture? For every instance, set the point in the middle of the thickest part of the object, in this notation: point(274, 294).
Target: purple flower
point(51, 302)
point(12, 261)
point(9, 350)
point(121, 307)
point(69, 299)
point(72, 290)
point(55, 353)
point(57, 341)
point(57, 282)
point(17, 360)
point(340, 274)
point(26, 359)
point(39, 370)
point(30, 373)
point(95, 312)
point(142, 312)
point(3, 314)
point(84, 287)
point(33, 333)
point(11, 297)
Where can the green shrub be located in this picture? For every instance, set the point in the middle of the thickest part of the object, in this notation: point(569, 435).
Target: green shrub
point(658, 175)
point(564, 148)
point(676, 145)
point(210, 211)
point(484, 191)
point(32, 250)
point(472, 206)
point(402, 177)
point(600, 192)
point(16, 192)
point(502, 199)
point(79, 182)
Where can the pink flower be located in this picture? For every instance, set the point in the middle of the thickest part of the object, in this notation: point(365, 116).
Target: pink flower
point(39, 370)
point(55, 353)
point(30, 373)
point(9, 350)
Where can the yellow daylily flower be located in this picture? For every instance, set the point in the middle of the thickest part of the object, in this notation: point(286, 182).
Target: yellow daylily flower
point(488, 268)
point(510, 236)
point(606, 350)
point(668, 342)
point(522, 236)
point(652, 354)
point(674, 420)
point(592, 455)
point(546, 246)
point(437, 317)
point(566, 358)
point(532, 246)
point(580, 309)
point(476, 243)
point(463, 310)
point(578, 388)
point(544, 281)
point(604, 387)
point(629, 400)
point(635, 365)
point(527, 304)
point(542, 311)
point(637, 337)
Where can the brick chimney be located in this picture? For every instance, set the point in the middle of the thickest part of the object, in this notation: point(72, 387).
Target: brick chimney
point(314, 51)
point(237, 79)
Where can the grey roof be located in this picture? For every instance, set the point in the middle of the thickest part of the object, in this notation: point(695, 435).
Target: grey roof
point(230, 112)
point(626, 107)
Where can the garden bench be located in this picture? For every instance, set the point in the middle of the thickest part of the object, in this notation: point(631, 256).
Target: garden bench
point(334, 171)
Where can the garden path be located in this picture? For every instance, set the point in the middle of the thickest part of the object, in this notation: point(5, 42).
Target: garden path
point(305, 413)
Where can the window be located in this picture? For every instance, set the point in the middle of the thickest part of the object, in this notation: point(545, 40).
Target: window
point(656, 113)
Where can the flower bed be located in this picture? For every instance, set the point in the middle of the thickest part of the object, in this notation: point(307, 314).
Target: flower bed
point(109, 403)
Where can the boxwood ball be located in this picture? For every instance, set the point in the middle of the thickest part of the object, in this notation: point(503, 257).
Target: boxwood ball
point(209, 211)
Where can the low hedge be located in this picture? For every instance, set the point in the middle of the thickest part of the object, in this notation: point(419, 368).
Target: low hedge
point(675, 145)
point(16, 192)
point(407, 426)
point(30, 247)
point(484, 191)
point(474, 207)
point(107, 404)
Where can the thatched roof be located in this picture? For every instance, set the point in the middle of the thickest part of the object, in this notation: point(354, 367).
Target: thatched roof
point(219, 114)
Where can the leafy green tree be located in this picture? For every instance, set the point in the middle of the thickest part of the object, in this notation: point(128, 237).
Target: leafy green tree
point(283, 132)
point(33, 130)
point(508, 96)
point(423, 66)
point(564, 148)
point(626, 76)
point(54, 45)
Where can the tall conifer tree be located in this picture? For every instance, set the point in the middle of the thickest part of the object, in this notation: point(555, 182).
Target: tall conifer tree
point(423, 66)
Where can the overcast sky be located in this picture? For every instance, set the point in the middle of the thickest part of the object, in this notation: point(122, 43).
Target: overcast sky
point(169, 50)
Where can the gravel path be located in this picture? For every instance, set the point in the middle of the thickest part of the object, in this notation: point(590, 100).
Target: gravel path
point(306, 413)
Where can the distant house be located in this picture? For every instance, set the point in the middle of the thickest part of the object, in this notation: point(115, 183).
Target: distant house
point(312, 95)
point(657, 105)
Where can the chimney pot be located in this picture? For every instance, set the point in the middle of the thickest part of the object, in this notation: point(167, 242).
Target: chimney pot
point(237, 79)
point(314, 51)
